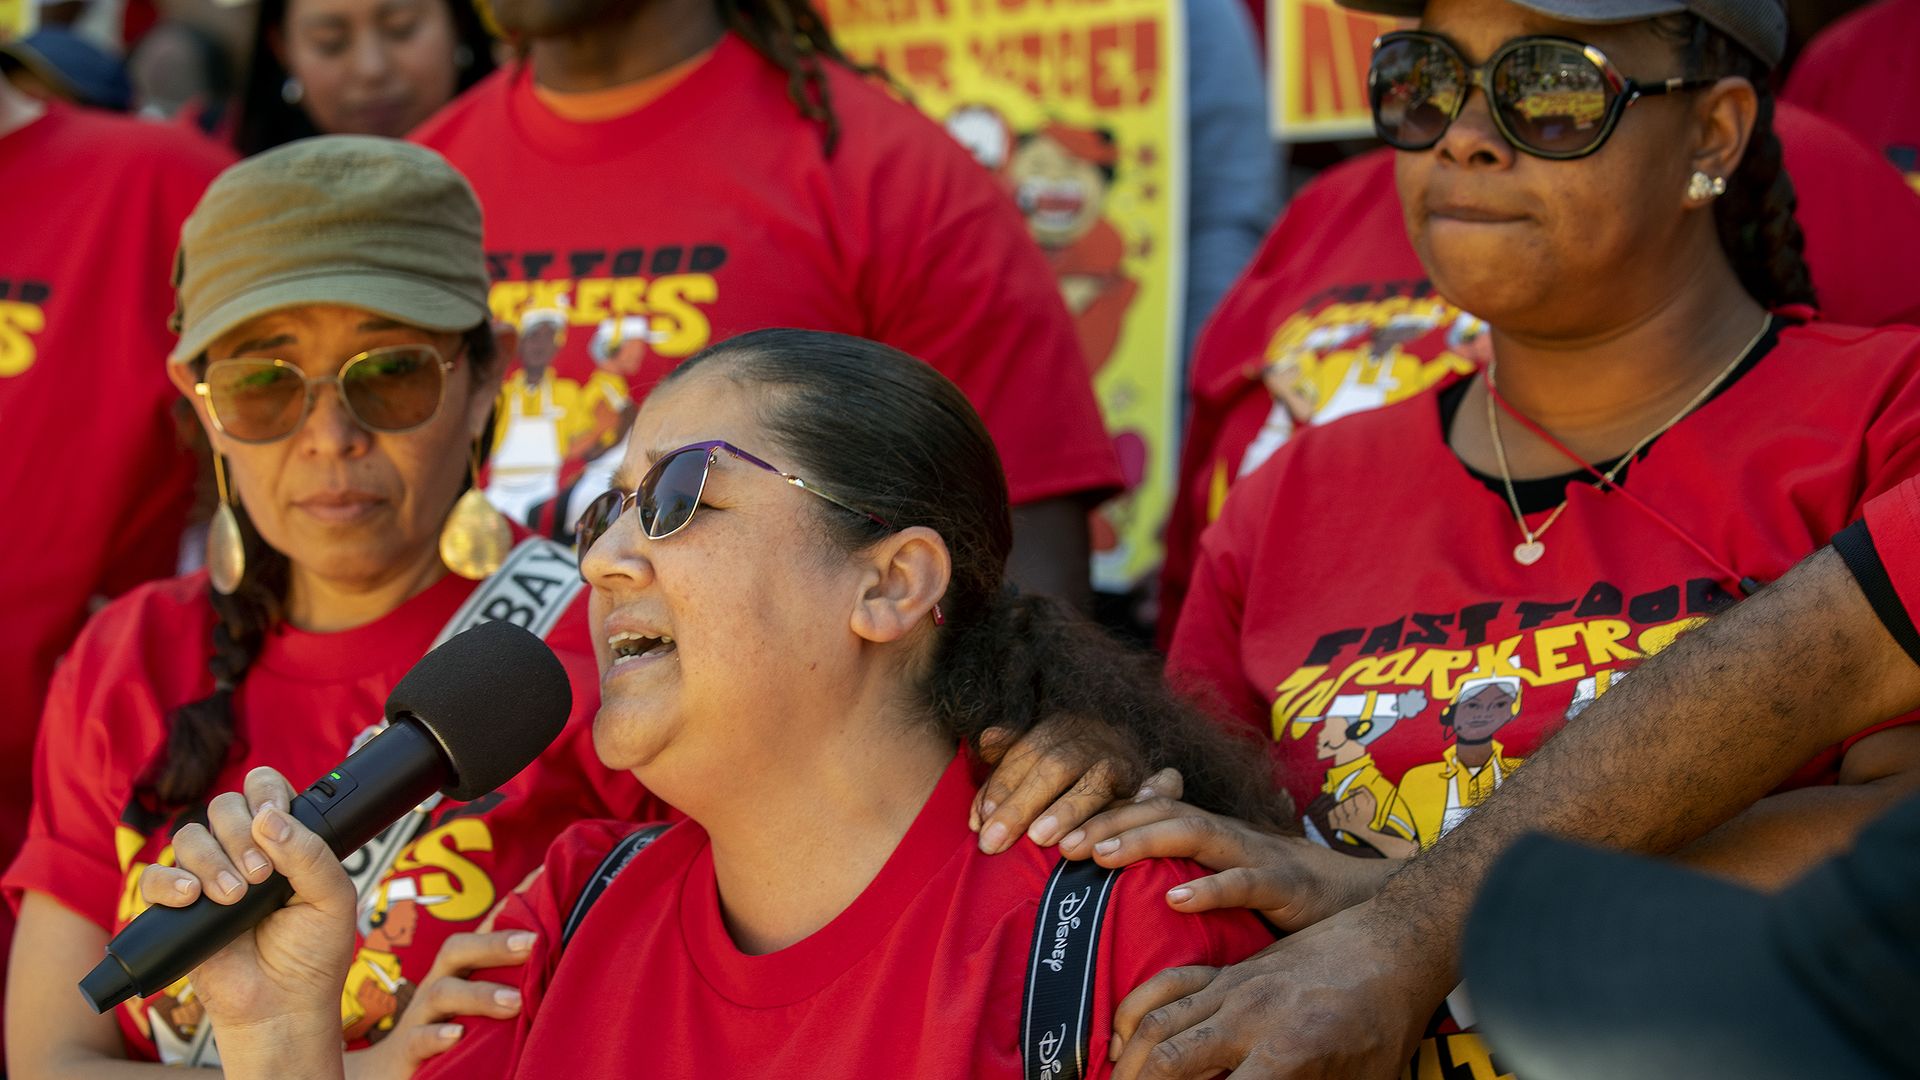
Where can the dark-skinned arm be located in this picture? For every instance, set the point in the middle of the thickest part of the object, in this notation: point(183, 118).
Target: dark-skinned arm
point(1678, 758)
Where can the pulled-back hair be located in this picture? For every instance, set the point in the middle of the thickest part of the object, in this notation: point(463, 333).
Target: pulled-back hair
point(201, 735)
point(1755, 218)
point(890, 435)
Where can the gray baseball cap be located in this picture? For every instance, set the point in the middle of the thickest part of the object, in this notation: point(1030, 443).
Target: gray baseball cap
point(1759, 25)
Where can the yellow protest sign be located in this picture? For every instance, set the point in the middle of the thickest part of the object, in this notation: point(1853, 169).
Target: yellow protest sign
point(18, 18)
point(1319, 52)
point(1079, 108)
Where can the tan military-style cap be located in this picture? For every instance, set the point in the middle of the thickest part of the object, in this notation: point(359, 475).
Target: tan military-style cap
point(371, 223)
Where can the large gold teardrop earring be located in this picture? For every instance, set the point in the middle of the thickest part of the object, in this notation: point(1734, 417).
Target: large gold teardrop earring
point(226, 552)
point(475, 539)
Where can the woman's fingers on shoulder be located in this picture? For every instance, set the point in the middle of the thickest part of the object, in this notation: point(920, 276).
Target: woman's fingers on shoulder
point(450, 996)
point(1156, 827)
point(462, 953)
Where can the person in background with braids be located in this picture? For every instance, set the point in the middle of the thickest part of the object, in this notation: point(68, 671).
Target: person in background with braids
point(1656, 430)
point(805, 669)
point(717, 166)
point(336, 347)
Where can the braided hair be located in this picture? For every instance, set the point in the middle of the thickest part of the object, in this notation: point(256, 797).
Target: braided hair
point(1755, 218)
point(202, 738)
point(792, 35)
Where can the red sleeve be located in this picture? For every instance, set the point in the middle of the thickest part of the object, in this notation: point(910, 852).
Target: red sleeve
point(1204, 660)
point(962, 286)
point(69, 850)
point(1143, 937)
point(493, 1047)
point(1893, 520)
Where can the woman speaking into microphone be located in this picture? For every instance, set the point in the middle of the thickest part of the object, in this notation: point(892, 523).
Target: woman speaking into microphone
point(801, 616)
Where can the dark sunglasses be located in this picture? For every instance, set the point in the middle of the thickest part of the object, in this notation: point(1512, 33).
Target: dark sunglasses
point(670, 493)
point(1550, 97)
point(258, 400)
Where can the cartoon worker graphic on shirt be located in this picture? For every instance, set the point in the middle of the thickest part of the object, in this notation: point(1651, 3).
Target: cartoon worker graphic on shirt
point(376, 992)
point(597, 426)
point(1357, 811)
point(1440, 795)
point(530, 438)
point(1060, 177)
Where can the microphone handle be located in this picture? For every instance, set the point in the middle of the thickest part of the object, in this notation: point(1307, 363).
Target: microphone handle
point(348, 807)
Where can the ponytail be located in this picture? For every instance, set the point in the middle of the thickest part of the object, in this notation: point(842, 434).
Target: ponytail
point(1031, 658)
point(201, 735)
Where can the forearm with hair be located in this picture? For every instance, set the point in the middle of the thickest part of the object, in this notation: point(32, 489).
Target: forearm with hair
point(1694, 737)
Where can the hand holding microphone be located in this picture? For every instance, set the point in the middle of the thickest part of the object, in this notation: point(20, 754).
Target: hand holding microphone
point(469, 716)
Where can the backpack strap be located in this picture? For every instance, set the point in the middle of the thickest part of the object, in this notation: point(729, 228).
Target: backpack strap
point(616, 860)
point(1056, 1020)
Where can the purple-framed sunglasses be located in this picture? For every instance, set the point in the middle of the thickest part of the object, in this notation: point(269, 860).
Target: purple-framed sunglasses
point(670, 493)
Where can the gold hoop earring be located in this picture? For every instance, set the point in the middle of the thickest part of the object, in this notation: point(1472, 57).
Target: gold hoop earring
point(226, 552)
point(475, 539)
point(1702, 188)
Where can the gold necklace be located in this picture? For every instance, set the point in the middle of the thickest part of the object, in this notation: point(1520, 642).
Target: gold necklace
point(1529, 550)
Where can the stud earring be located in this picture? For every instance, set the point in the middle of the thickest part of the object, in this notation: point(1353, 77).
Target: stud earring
point(226, 553)
point(292, 91)
point(475, 539)
point(1701, 187)
point(938, 618)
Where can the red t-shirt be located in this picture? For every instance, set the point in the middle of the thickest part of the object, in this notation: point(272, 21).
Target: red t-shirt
point(304, 701)
point(91, 471)
point(922, 976)
point(1337, 305)
point(1859, 73)
point(1357, 602)
point(1883, 551)
point(713, 210)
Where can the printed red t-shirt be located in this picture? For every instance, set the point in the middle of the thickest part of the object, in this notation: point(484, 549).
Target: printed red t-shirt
point(1359, 604)
point(1335, 315)
point(620, 248)
point(91, 470)
point(922, 976)
point(303, 703)
point(1859, 73)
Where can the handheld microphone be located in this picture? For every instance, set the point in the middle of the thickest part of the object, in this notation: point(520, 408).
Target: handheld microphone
point(468, 717)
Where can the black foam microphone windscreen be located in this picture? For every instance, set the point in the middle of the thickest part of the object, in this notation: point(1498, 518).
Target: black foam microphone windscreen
point(470, 715)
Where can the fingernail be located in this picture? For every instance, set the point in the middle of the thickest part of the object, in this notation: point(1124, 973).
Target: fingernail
point(522, 941)
point(183, 886)
point(973, 819)
point(1043, 830)
point(1108, 846)
point(227, 883)
point(1143, 794)
point(1074, 838)
point(450, 1032)
point(1113, 1048)
point(1179, 895)
point(279, 826)
point(507, 998)
point(994, 838)
point(987, 808)
point(255, 862)
point(271, 804)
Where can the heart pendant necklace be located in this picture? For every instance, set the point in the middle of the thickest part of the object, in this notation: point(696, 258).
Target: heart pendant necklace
point(1530, 550)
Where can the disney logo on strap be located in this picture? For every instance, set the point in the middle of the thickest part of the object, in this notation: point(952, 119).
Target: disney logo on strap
point(1050, 1045)
point(1069, 921)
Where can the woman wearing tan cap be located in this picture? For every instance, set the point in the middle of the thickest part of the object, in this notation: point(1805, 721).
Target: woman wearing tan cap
point(335, 345)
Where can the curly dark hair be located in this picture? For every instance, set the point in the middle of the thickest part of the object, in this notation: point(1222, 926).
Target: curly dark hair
point(795, 38)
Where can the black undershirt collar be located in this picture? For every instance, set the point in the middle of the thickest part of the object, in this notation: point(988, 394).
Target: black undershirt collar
point(1543, 494)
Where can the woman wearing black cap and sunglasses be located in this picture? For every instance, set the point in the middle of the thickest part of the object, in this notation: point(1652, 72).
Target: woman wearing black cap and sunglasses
point(1655, 431)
